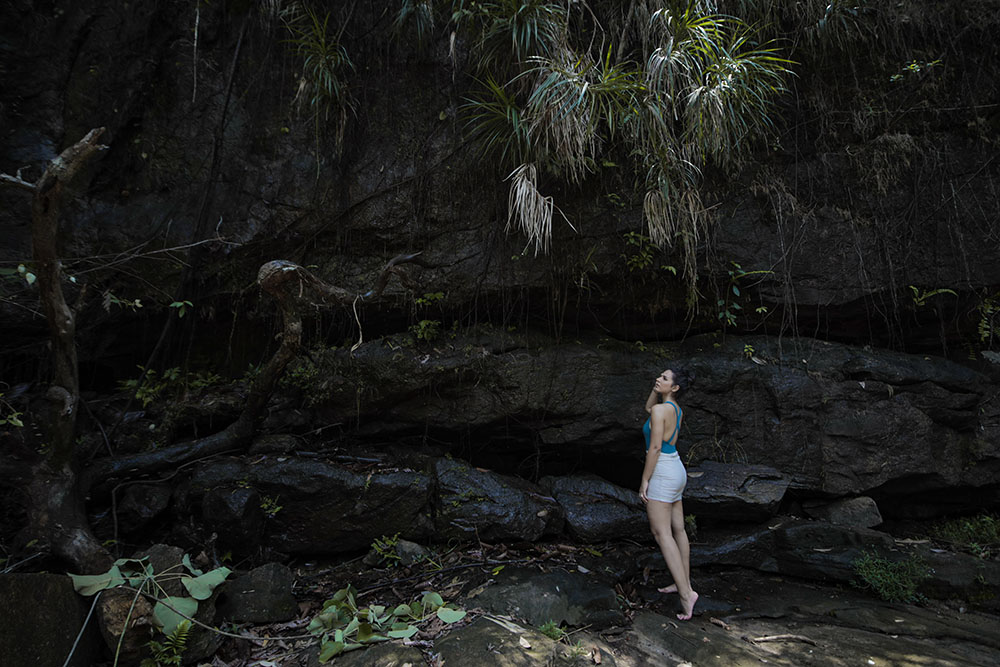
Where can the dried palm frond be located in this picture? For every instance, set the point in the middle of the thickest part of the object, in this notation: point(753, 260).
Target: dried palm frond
point(674, 213)
point(528, 210)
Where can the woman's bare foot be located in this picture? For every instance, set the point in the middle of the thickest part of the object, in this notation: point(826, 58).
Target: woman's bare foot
point(672, 588)
point(688, 607)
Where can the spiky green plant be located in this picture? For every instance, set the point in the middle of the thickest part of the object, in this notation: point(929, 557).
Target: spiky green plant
point(493, 119)
point(511, 31)
point(418, 12)
point(707, 89)
point(732, 102)
point(325, 62)
point(576, 102)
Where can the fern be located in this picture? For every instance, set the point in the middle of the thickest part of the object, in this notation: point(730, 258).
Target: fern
point(171, 651)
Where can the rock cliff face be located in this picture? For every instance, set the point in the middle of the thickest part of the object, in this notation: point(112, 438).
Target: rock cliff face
point(854, 361)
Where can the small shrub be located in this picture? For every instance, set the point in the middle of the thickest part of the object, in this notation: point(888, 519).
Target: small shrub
point(171, 651)
point(691, 526)
point(979, 534)
point(385, 547)
point(426, 330)
point(893, 581)
point(552, 630)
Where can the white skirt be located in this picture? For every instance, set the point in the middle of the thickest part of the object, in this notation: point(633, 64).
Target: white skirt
point(668, 480)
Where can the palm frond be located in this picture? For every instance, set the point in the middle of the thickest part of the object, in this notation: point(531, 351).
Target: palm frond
point(734, 101)
point(528, 210)
point(493, 119)
point(571, 97)
point(418, 12)
point(324, 60)
point(515, 30)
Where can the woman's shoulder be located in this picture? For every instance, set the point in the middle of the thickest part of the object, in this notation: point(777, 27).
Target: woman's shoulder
point(667, 409)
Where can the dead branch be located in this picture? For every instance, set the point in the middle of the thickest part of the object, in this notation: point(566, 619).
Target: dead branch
point(17, 181)
point(290, 285)
point(779, 638)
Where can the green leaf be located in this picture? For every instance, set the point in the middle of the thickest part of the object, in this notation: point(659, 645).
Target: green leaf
point(186, 561)
point(432, 601)
point(736, 290)
point(201, 587)
point(329, 650)
point(367, 635)
point(403, 633)
point(402, 610)
point(167, 618)
point(89, 584)
point(450, 615)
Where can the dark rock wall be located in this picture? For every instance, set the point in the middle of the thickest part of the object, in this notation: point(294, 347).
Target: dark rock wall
point(856, 200)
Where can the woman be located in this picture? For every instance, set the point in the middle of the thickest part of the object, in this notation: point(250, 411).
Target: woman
point(663, 482)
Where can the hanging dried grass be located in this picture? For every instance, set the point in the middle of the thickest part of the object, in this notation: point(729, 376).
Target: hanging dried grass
point(674, 214)
point(529, 211)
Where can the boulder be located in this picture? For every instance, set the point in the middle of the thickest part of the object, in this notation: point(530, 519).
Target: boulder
point(562, 597)
point(236, 516)
point(141, 504)
point(263, 595)
point(496, 643)
point(313, 507)
point(860, 512)
point(474, 503)
point(597, 510)
point(40, 618)
point(733, 491)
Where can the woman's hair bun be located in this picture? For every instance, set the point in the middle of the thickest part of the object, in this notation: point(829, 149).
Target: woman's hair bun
point(683, 378)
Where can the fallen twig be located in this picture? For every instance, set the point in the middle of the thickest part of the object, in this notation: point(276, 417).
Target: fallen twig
point(780, 638)
point(722, 624)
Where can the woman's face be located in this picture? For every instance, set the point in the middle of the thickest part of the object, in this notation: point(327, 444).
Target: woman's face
point(665, 383)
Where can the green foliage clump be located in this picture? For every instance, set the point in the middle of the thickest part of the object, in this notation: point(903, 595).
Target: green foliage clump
point(893, 581)
point(151, 386)
point(552, 630)
point(989, 310)
point(979, 534)
point(311, 374)
point(342, 626)
point(426, 330)
point(640, 255)
point(429, 298)
point(728, 305)
point(171, 651)
point(691, 526)
point(170, 612)
point(269, 505)
point(8, 415)
point(385, 547)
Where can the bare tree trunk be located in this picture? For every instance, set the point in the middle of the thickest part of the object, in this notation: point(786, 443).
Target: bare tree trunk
point(55, 507)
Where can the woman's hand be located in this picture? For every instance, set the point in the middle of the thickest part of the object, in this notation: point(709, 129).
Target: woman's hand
point(642, 491)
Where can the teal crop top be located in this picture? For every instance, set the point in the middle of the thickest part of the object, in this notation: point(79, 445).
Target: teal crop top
point(668, 446)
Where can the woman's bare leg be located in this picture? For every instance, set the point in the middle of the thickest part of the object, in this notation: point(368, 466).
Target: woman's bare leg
point(660, 521)
point(681, 538)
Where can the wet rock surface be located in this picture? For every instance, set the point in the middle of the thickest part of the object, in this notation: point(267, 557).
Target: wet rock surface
point(597, 510)
point(733, 491)
point(40, 617)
